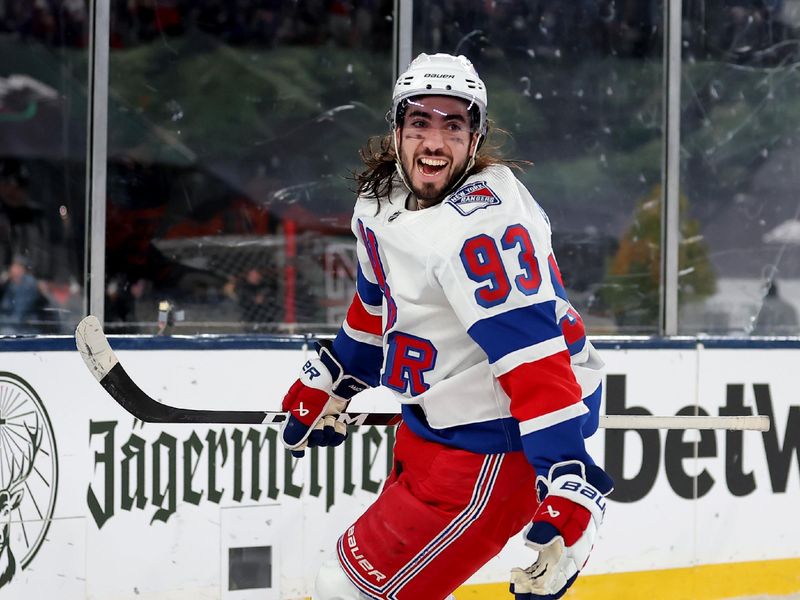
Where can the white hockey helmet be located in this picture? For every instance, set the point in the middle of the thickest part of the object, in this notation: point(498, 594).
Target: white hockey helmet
point(441, 75)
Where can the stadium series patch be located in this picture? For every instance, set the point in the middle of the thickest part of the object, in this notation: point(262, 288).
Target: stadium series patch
point(472, 197)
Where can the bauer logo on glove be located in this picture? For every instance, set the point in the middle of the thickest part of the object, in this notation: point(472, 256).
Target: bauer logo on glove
point(584, 489)
point(563, 530)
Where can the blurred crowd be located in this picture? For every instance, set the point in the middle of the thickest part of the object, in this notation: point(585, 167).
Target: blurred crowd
point(543, 28)
point(41, 236)
point(38, 286)
point(353, 23)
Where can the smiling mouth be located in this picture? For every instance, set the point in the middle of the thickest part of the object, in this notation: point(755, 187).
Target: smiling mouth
point(430, 167)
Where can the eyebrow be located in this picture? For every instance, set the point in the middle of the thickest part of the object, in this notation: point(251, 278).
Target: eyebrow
point(427, 115)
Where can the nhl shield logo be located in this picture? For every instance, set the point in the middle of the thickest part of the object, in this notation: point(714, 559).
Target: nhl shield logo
point(472, 197)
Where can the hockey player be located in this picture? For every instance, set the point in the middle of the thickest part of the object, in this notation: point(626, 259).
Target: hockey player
point(460, 310)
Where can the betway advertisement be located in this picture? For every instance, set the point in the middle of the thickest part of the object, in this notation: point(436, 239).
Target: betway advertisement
point(97, 505)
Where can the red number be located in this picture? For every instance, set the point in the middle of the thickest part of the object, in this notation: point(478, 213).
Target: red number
point(482, 262)
point(481, 259)
point(531, 278)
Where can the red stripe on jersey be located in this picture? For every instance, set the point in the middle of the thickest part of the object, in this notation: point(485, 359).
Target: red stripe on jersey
point(572, 326)
point(358, 318)
point(541, 387)
point(551, 260)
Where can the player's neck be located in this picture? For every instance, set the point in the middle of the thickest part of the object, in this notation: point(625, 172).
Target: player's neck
point(414, 203)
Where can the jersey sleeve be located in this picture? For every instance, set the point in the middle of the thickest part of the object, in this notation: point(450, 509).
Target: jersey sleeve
point(496, 271)
point(587, 366)
point(358, 344)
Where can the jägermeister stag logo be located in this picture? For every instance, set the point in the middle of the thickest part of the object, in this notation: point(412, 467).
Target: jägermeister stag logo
point(28, 474)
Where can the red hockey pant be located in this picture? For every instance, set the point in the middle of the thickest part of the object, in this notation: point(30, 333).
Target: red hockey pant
point(442, 514)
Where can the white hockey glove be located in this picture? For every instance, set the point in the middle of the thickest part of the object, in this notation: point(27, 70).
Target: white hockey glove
point(563, 530)
point(315, 401)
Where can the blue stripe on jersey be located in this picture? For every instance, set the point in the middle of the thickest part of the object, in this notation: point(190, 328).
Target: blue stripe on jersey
point(543, 448)
point(359, 359)
point(568, 322)
point(576, 346)
point(369, 292)
point(516, 329)
point(592, 402)
point(560, 442)
point(489, 437)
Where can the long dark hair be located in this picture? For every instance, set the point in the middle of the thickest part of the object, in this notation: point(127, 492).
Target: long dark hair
point(378, 156)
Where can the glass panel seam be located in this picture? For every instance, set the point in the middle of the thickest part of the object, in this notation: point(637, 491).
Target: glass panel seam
point(670, 225)
point(404, 13)
point(97, 152)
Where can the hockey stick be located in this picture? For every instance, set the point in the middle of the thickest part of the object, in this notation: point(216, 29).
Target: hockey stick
point(98, 356)
point(105, 366)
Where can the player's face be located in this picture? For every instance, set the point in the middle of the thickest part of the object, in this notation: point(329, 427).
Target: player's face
point(435, 141)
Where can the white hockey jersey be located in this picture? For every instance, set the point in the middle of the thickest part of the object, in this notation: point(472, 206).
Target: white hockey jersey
point(461, 312)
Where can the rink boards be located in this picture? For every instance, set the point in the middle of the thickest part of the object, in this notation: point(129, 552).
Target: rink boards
point(117, 509)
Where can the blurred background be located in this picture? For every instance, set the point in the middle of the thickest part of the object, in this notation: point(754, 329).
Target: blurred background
point(233, 129)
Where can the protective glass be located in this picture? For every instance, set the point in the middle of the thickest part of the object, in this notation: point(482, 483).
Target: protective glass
point(437, 116)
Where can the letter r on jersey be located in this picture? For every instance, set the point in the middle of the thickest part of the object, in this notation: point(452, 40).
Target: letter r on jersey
point(408, 357)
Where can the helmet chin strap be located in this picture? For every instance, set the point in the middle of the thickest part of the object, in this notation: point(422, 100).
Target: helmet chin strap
point(397, 163)
point(402, 173)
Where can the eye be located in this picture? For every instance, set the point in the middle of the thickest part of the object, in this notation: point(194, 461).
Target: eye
point(419, 123)
point(455, 127)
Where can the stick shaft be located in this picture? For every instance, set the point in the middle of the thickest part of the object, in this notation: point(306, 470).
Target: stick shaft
point(744, 423)
point(105, 366)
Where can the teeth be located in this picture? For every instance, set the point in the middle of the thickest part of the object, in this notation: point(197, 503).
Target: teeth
point(433, 162)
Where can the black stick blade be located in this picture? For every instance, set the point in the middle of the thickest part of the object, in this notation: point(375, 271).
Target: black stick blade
point(105, 366)
point(130, 396)
point(100, 359)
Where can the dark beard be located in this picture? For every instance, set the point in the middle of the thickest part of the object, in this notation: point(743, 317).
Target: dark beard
point(429, 193)
point(428, 196)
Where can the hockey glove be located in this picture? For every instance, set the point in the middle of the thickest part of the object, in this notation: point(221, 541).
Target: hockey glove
point(563, 529)
point(315, 401)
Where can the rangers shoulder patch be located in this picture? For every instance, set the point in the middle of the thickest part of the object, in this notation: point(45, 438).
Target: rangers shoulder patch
point(472, 197)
